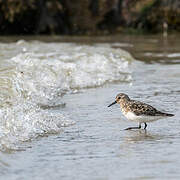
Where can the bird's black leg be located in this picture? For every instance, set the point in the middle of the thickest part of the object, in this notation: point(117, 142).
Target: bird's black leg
point(129, 128)
point(145, 125)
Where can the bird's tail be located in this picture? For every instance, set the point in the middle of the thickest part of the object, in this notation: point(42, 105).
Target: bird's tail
point(165, 114)
point(169, 115)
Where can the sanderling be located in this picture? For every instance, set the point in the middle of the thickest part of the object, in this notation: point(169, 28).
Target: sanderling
point(138, 111)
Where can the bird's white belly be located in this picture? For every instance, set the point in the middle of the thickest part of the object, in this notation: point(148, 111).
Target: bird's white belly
point(133, 117)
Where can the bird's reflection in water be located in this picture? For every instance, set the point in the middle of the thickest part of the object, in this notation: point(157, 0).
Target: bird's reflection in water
point(3, 163)
point(140, 137)
point(137, 141)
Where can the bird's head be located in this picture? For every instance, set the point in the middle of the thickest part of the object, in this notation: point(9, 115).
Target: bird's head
point(119, 98)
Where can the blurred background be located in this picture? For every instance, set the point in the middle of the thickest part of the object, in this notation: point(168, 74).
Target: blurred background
point(80, 17)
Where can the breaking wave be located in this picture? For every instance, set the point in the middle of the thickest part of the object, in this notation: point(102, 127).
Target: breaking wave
point(34, 75)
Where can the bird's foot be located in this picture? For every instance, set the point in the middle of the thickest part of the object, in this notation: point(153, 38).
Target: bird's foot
point(129, 128)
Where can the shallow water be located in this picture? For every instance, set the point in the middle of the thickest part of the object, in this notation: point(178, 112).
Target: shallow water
point(44, 91)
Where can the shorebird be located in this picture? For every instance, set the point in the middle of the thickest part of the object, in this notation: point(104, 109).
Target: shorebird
point(138, 111)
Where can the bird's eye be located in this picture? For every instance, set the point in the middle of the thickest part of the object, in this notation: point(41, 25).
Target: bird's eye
point(119, 97)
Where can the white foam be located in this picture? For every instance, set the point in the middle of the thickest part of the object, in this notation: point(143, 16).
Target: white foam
point(40, 75)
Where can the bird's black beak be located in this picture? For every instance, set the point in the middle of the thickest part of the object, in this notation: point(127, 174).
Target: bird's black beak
point(112, 103)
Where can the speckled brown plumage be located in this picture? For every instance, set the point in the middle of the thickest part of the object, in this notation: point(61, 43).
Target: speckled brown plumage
point(140, 108)
point(137, 107)
point(138, 111)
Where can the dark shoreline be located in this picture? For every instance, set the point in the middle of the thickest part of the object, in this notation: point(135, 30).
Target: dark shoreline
point(90, 17)
point(84, 38)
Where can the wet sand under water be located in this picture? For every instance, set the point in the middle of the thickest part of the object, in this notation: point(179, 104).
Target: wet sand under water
point(96, 146)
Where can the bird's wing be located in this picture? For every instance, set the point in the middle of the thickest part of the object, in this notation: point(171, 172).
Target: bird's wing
point(140, 108)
